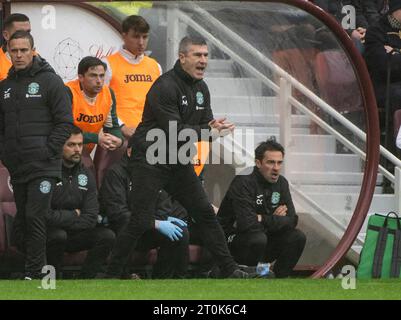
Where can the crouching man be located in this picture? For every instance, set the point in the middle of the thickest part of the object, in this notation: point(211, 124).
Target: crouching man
point(258, 216)
point(72, 220)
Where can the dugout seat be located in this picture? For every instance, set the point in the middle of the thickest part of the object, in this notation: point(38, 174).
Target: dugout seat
point(396, 128)
point(397, 122)
point(10, 258)
point(104, 159)
point(88, 162)
point(7, 207)
point(336, 81)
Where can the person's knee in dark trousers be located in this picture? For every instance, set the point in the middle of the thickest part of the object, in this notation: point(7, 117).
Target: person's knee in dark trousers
point(206, 261)
point(181, 256)
point(119, 223)
point(103, 243)
point(249, 249)
point(285, 249)
point(172, 256)
point(202, 212)
point(56, 244)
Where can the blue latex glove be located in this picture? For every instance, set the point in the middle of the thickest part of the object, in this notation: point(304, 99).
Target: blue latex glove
point(180, 222)
point(170, 230)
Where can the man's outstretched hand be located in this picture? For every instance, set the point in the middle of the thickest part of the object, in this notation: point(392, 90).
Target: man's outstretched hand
point(221, 127)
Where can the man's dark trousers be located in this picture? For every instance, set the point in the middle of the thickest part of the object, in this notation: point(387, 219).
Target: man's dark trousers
point(182, 183)
point(98, 241)
point(33, 201)
point(172, 256)
point(285, 247)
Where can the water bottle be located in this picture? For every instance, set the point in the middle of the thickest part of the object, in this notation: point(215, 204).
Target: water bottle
point(263, 269)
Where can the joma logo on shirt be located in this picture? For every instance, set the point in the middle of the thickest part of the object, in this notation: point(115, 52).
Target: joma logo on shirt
point(90, 119)
point(137, 78)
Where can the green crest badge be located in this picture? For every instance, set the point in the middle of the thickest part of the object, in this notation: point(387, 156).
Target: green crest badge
point(33, 88)
point(275, 198)
point(45, 187)
point(199, 97)
point(82, 180)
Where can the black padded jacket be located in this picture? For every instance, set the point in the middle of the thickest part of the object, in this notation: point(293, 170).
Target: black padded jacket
point(252, 195)
point(35, 121)
point(174, 97)
point(76, 190)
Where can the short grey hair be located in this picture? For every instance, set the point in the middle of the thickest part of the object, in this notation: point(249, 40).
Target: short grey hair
point(190, 40)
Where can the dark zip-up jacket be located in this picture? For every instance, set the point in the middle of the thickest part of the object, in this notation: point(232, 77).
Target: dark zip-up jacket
point(175, 96)
point(35, 121)
point(76, 190)
point(377, 36)
point(368, 12)
point(115, 190)
point(334, 7)
point(252, 195)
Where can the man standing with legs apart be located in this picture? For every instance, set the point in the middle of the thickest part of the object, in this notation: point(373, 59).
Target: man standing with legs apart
point(180, 98)
point(35, 121)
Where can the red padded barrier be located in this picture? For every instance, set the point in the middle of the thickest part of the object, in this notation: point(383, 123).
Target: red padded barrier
point(104, 159)
point(336, 81)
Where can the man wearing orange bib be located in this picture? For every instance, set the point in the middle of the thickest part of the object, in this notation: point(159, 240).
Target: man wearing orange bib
point(94, 106)
point(130, 73)
point(14, 22)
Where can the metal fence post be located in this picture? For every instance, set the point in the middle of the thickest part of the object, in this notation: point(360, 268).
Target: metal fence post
point(285, 117)
point(397, 187)
point(172, 35)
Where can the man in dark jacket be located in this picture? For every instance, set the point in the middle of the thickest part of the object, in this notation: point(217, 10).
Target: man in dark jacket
point(382, 46)
point(35, 120)
point(366, 12)
point(73, 217)
point(258, 216)
point(177, 103)
point(170, 232)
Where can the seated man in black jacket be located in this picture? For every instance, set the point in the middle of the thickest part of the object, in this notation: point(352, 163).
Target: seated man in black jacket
point(258, 216)
point(73, 217)
point(382, 54)
point(170, 232)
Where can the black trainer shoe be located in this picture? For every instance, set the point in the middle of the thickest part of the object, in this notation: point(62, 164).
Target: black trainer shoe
point(134, 276)
point(239, 274)
point(33, 276)
point(214, 273)
point(251, 270)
